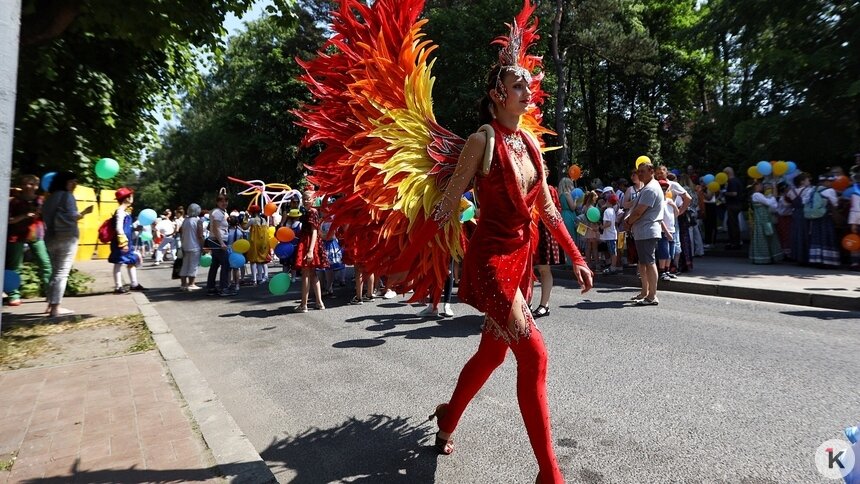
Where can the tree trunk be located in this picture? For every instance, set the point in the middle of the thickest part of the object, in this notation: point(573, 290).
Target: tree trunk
point(561, 90)
point(10, 24)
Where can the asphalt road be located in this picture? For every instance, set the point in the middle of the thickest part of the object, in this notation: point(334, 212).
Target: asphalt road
point(699, 389)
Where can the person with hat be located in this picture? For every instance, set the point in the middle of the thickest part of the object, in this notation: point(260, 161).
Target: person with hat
point(258, 237)
point(121, 253)
point(192, 236)
point(823, 248)
point(609, 236)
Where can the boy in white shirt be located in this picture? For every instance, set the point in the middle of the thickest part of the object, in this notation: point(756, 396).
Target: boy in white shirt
point(610, 234)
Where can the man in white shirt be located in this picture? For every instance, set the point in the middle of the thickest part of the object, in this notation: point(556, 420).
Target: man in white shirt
point(167, 228)
point(644, 221)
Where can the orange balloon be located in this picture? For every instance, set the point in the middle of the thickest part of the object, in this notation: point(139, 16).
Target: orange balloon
point(285, 234)
point(841, 183)
point(270, 209)
point(851, 242)
point(574, 172)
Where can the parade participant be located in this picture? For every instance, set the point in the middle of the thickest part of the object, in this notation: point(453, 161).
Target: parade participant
point(258, 254)
point(764, 241)
point(121, 252)
point(310, 254)
point(547, 254)
point(216, 243)
point(409, 178)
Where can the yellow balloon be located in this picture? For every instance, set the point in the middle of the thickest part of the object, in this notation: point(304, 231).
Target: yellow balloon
point(642, 159)
point(713, 187)
point(721, 178)
point(241, 246)
point(271, 230)
point(753, 172)
point(273, 242)
point(780, 168)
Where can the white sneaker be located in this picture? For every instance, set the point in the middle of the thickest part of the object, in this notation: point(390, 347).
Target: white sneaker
point(446, 311)
point(428, 312)
point(389, 294)
point(665, 277)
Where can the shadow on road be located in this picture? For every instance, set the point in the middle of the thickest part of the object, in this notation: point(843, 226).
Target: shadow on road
point(376, 449)
point(590, 305)
point(825, 315)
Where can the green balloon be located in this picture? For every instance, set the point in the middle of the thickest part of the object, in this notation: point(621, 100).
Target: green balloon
point(146, 236)
point(468, 214)
point(280, 284)
point(593, 214)
point(205, 260)
point(107, 168)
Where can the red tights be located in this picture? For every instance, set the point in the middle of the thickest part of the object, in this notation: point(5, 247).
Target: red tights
point(530, 353)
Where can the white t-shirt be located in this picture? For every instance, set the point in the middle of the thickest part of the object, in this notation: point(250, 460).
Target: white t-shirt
point(165, 227)
point(609, 233)
point(218, 218)
point(669, 215)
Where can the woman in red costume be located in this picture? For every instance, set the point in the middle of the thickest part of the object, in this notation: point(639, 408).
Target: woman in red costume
point(497, 278)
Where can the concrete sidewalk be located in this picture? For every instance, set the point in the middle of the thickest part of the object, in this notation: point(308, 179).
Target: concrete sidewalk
point(739, 279)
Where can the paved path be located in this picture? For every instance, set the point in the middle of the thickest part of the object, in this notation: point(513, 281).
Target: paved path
point(117, 419)
point(108, 420)
point(699, 389)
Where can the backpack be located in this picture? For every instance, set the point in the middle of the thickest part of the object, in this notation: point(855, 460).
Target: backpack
point(107, 231)
point(816, 207)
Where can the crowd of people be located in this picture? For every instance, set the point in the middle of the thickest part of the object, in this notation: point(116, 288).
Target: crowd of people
point(787, 218)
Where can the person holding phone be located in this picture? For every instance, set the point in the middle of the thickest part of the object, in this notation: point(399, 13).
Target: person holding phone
point(61, 216)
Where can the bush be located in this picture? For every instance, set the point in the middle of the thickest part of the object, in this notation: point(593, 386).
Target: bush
point(79, 282)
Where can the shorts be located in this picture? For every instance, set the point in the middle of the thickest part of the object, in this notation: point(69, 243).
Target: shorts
point(665, 249)
point(611, 246)
point(646, 251)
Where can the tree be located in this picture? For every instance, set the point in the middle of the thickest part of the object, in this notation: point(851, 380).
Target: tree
point(93, 72)
point(239, 124)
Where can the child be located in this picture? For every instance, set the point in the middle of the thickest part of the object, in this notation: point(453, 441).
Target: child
point(310, 254)
point(234, 233)
point(610, 234)
point(121, 252)
point(666, 244)
point(854, 219)
point(258, 254)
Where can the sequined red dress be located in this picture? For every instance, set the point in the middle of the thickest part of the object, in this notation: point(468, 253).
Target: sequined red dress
point(499, 259)
point(310, 222)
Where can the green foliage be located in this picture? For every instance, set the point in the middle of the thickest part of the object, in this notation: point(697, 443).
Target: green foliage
point(88, 88)
point(31, 286)
point(239, 124)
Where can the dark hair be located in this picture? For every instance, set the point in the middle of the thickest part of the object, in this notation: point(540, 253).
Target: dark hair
point(800, 179)
point(61, 179)
point(222, 198)
point(485, 105)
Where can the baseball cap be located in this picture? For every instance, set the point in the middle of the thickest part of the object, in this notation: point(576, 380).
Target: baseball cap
point(606, 190)
point(123, 193)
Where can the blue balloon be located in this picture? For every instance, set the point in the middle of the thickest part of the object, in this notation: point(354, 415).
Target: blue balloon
point(791, 166)
point(764, 168)
point(284, 250)
point(708, 178)
point(11, 281)
point(577, 193)
point(676, 171)
point(236, 260)
point(147, 216)
point(46, 180)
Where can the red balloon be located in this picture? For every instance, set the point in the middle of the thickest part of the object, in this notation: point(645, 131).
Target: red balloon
point(574, 172)
point(841, 183)
point(285, 234)
point(851, 242)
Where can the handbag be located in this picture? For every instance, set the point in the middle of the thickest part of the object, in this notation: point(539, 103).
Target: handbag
point(768, 229)
point(177, 267)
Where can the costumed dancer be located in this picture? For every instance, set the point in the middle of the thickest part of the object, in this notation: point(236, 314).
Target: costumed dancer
point(406, 174)
point(310, 254)
point(121, 253)
point(258, 254)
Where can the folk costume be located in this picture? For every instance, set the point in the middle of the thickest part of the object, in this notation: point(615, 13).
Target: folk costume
point(397, 169)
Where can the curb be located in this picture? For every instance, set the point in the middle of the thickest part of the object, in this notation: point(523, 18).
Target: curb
point(823, 301)
point(237, 459)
